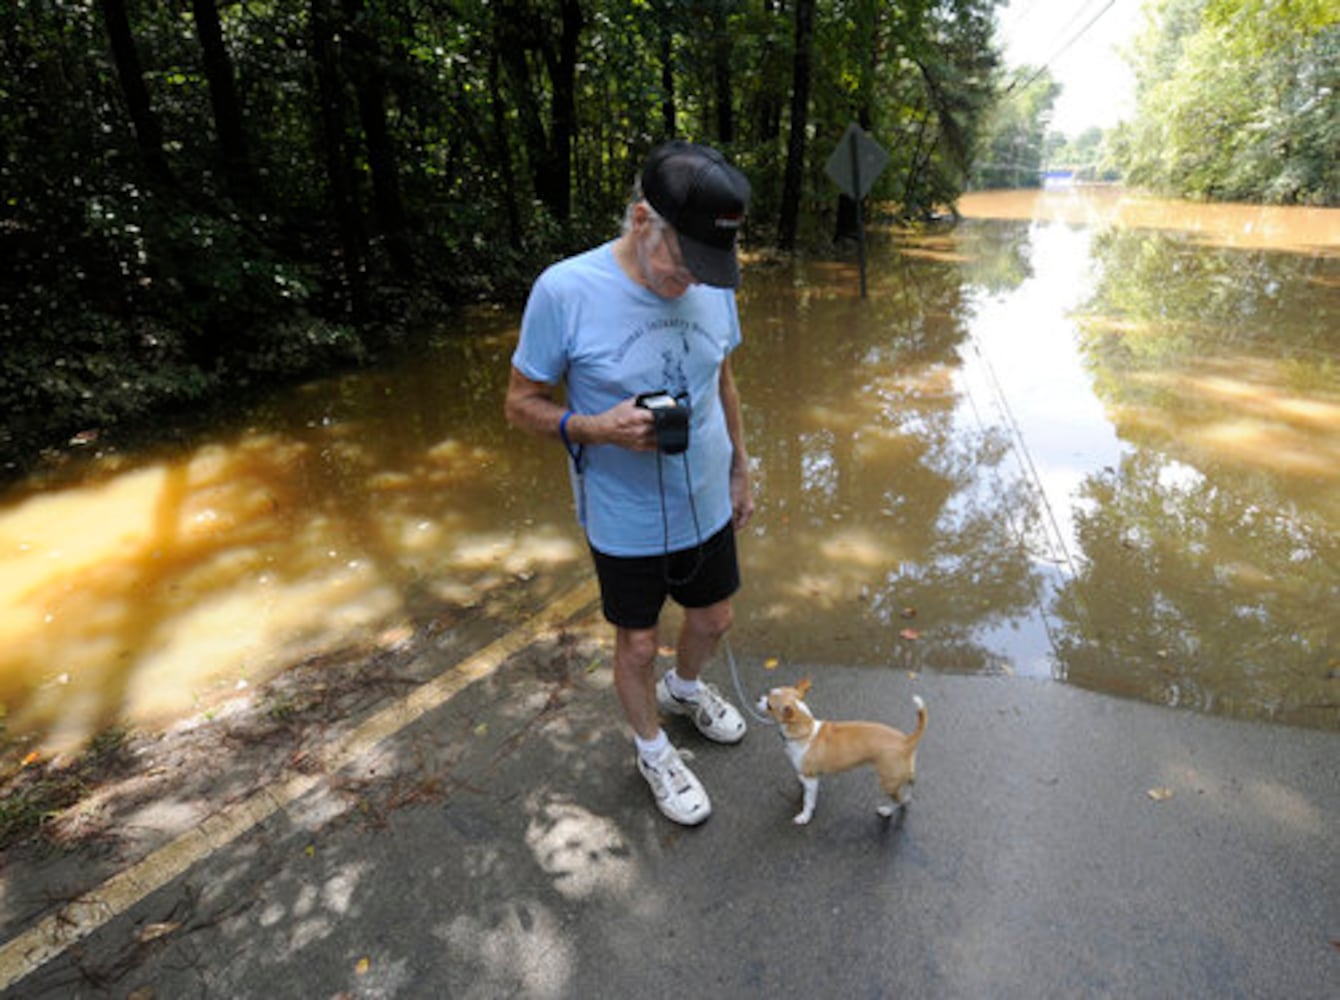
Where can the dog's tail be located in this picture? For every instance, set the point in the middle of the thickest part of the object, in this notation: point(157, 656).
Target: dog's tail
point(915, 736)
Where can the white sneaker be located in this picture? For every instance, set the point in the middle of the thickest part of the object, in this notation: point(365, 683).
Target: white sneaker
point(679, 793)
point(715, 717)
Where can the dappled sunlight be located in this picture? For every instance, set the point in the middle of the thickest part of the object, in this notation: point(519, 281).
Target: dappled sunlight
point(585, 854)
point(1286, 806)
point(59, 536)
point(817, 590)
point(852, 565)
point(939, 247)
point(832, 419)
point(1242, 226)
point(925, 383)
point(316, 910)
point(138, 595)
point(881, 421)
point(514, 553)
point(1244, 411)
point(521, 949)
point(937, 449)
point(1257, 385)
point(225, 635)
point(1271, 801)
point(859, 549)
point(1261, 443)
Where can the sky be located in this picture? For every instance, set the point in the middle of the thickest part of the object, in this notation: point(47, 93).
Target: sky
point(1098, 85)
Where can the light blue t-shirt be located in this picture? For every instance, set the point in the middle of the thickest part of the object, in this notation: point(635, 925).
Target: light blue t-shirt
point(591, 327)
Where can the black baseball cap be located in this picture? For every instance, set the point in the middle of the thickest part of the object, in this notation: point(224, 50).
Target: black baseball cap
point(694, 189)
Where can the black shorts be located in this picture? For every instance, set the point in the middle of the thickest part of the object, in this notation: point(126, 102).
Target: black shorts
point(633, 589)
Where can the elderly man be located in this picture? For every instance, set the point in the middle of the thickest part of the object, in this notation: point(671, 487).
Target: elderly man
point(639, 332)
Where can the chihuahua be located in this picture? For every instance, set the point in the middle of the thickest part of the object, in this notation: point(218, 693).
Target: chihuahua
point(816, 747)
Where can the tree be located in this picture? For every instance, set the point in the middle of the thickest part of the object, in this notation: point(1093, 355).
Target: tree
point(286, 187)
point(148, 131)
point(522, 34)
point(800, 104)
point(1235, 101)
point(223, 97)
point(1013, 144)
point(366, 66)
point(341, 182)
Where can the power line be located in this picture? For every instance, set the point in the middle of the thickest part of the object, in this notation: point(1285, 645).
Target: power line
point(1081, 10)
point(1022, 16)
point(1061, 51)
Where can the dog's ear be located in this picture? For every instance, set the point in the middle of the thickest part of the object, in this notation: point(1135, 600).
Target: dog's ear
point(803, 687)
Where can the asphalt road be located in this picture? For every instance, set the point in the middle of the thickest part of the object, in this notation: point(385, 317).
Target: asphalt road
point(503, 845)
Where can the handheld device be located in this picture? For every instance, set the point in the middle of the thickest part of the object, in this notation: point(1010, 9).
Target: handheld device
point(671, 420)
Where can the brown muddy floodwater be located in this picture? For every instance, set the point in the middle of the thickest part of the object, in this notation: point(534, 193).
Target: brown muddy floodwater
point(1086, 436)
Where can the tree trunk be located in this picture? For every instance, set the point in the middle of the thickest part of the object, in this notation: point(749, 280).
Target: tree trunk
point(767, 108)
point(722, 51)
point(800, 104)
point(914, 167)
point(340, 179)
point(668, 126)
point(148, 132)
point(503, 154)
point(223, 98)
point(510, 25)
point(563, 79)
point(370, 83)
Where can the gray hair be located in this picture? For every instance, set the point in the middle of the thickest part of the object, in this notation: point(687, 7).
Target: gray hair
point(634, 199)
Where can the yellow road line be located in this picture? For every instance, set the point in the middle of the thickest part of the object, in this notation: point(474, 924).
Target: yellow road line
point(50, 936)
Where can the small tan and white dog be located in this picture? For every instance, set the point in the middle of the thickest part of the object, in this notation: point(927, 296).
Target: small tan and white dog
point(817, 747)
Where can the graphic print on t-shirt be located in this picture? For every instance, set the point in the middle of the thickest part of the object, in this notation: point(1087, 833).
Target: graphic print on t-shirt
point(674, 338)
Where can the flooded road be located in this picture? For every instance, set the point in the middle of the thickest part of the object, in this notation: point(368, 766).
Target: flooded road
point(1086, 436)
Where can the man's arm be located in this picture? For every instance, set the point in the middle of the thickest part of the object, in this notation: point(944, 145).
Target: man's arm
point(741, 492)
point(530, 406)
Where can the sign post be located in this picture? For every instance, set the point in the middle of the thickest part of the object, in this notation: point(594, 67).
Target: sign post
point(854, 167)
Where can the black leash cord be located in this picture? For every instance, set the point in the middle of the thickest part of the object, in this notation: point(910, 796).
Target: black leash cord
point(665, 522)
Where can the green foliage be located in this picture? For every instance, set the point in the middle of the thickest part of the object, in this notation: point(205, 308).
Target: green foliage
point(243, 192)
point(1014, 142)
point(1179, 304)
point(1087, 154)
point(1236, 101)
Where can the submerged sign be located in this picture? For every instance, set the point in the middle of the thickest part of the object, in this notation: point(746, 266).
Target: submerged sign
point(856, 163)
point(854, 166)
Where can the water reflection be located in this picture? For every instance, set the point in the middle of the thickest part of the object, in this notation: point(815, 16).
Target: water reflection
point(1212, 575)
point(338, 518)
point(1085, 437)
point(871, 521)
point(1047, 360)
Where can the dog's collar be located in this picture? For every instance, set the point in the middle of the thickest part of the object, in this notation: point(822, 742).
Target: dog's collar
point(805, 743)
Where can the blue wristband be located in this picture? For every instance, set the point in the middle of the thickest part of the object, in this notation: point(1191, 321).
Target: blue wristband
point(574, 451)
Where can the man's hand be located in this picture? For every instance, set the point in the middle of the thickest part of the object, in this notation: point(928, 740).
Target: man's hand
point(628, 426)
point(530, 405)
point(741, 497)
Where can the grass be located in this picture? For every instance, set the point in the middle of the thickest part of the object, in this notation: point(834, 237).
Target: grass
point(37, 793)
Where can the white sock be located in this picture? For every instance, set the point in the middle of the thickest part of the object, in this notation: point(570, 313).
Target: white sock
point(649, 749)
point(680, 688)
